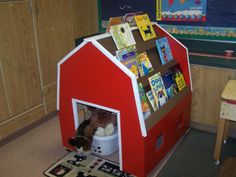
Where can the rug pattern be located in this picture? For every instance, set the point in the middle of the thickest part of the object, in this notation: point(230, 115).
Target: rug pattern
point(76, 165)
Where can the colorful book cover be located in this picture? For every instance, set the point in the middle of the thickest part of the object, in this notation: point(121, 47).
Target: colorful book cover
point(145, 107)
point(178, 77)
point(120, 54)
point(145, 27)
point(158, 89)
point(122, 35)
point(145, 64)
point(170, 86)
point(128, 57)
point(151, 99)
point(164, 50)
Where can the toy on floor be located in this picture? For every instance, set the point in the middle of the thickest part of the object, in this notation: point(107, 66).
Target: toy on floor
point(101, 123)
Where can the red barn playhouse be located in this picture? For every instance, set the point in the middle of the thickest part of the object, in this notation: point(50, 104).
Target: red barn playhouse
point(91, 75)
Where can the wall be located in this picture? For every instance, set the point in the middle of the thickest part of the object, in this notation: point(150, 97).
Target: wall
point(208, 84)
point(35, 35)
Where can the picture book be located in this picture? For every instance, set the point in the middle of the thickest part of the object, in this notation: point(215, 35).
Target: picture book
point(164, 50)
point(114, 21)
point(129, 18)
point(178, 77)
point(145, 27)
point(158, 89)
point(122, 35)
point(170, 86)
point(145, 64)
point(151, 99)
point(128, 57)
point(120, 54)
point(145, 106)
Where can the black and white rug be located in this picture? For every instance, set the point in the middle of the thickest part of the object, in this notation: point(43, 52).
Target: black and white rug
point(76, 165)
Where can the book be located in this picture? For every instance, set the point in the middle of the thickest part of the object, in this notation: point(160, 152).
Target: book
point(151, 99)
point(158, 89)
point(170, 86)
point(145, 64)
point(128, 57)
point(164, 50)
point(120, 54)
point(122, 35)
point(145, 106)
point(114, 21)
point(178, 77)
point(129, 18)
point(145, 27)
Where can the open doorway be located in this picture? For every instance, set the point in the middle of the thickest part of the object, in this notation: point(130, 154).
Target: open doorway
point(106, 143)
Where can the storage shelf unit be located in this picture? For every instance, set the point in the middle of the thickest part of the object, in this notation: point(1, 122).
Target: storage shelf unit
point(92, 74)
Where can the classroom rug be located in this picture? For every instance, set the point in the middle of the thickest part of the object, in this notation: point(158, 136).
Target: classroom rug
point(77, 165)
point(194, 156)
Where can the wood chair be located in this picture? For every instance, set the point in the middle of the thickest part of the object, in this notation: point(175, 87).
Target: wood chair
point(227, 114)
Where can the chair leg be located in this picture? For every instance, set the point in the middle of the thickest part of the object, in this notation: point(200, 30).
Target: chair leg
point(219, 139)
point(226, 131)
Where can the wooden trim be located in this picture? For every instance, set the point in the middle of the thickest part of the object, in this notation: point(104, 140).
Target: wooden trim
point(50, 96)
point(210, 128)
point(4, 103)
point(14, 124)
point(203, 127)
point(27, 128)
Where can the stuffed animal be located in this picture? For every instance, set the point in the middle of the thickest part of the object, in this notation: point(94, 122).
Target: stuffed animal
point(101, 123)
point(106, 131)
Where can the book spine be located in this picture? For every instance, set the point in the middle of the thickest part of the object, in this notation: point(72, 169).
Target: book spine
point(151, 99)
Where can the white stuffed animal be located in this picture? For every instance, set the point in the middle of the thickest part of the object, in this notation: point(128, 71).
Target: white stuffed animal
point(107, 131)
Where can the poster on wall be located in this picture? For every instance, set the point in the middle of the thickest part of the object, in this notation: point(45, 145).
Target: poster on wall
point(181, 10)
point(220, 23)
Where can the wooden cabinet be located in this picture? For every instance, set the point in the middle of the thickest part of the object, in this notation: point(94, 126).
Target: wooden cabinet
point(54, 31)
point(208, 83)
point(85, 15)
point(50, 96)
point(20, 89)
point(18, 57)
point(35, 35)
point(4, 111)
point(55, 37)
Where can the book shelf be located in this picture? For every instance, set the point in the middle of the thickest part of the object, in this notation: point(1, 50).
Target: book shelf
point(143, 143)
point(150, 47)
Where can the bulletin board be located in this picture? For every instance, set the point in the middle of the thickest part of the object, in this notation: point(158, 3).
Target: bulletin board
point(220, 23)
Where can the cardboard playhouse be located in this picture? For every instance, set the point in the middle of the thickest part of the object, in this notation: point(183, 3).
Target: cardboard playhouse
point(91, 75)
